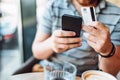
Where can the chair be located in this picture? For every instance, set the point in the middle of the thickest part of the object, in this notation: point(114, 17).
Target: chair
point(27, 66)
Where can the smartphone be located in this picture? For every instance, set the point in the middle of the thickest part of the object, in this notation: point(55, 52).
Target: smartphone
point(72, 23)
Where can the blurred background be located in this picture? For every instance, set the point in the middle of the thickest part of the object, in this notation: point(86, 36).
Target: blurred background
point(17, 30)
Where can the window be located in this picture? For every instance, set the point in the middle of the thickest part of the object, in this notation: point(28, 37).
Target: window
point(10, 56)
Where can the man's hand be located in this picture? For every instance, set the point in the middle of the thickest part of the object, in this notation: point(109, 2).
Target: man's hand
point(98, 37)
point(63, 41)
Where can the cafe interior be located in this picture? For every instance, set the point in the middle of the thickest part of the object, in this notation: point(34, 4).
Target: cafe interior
point(18, 21)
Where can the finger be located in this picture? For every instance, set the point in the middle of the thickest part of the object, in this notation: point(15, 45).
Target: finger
point(91, 30)
point(97, 25)
point(92, 44)
point(68, 40)
point(64, 47)
point(62, 33)
point(89, 37)
point(69, 46)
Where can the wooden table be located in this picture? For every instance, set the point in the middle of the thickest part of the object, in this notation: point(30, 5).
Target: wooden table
point(31, 76)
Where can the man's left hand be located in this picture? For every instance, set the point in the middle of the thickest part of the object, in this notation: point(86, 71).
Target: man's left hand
point(98, 37)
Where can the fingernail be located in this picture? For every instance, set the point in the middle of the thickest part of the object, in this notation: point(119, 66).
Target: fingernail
point(74, 33)
point(86, 34)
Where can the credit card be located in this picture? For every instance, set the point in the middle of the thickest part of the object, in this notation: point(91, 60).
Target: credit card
point(88, 14)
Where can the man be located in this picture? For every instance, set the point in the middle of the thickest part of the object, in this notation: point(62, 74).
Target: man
point(103, 38)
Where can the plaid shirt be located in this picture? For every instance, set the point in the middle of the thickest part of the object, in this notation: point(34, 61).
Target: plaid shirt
point(84, 57)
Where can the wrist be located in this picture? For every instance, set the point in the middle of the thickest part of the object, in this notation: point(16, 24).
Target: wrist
point(111, 53)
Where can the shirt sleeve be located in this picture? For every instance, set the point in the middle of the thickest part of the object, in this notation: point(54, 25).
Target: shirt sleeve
point(115, 36)
point(44, 18)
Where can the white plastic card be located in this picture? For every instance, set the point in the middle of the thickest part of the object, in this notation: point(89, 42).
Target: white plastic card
point(88, 14)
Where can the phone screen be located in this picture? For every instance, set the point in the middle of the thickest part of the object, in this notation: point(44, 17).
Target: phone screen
point(72, 23)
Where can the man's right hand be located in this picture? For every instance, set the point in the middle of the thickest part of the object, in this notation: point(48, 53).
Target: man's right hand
point(63, 41)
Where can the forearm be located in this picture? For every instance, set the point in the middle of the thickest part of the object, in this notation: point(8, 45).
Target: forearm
point(42, 50)
point(112, 64)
